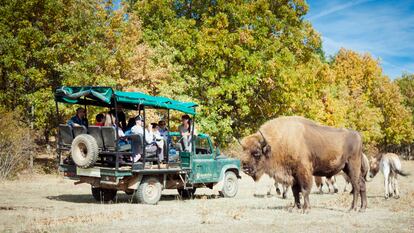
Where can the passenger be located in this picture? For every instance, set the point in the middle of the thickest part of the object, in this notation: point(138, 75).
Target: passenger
point(79, 119)
point(100, 119)
point(121, 118)
point(163, 131)
point(138, 128)
point(110, 121)
point(131, 123)
point(185, 132)
point(158, 139)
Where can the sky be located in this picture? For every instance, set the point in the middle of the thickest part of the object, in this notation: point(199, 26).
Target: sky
point(385, 29)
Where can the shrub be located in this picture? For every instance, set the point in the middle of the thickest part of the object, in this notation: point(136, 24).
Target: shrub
point(15, 145)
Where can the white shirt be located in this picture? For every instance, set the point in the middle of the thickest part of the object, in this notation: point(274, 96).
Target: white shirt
point(137, 129)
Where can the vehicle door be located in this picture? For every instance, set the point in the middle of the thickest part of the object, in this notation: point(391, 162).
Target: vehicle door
point(203, 165)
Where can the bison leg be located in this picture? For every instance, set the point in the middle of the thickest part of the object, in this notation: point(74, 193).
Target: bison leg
point(396, 188)
point(363, 193)
point(295, 191)
point(306, 186)
point(319, 184)
point(354, 171)
point(386, 186)
point(332, 182)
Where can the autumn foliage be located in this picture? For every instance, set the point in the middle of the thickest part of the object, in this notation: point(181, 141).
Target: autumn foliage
point(244, 62)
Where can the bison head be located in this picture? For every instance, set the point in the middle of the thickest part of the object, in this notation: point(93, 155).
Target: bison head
point(256, 151)
point(374, 165)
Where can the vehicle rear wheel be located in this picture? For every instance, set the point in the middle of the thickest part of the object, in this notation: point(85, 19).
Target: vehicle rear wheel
point(149, 191)
point(230, 186)
point(103, 195)
point(186, 193)
point(84, 151)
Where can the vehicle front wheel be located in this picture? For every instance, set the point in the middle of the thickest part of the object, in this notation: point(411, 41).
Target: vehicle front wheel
point(149, 191)
point(186, 193)
point(103, 195)
point(230, 186)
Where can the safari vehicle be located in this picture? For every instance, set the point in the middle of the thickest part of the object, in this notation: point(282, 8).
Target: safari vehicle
point(92, 154)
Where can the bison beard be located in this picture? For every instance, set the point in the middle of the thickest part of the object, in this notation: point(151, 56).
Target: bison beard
point(293, 149)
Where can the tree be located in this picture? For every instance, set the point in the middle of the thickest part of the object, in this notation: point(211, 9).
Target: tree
point(375, 105)
point(236, 56)
point(49, 43)
point(406, 85)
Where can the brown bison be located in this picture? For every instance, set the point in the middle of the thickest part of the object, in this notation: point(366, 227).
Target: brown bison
point(293, 149)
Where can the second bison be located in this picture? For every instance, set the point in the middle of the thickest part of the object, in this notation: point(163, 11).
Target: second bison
point(293, 149)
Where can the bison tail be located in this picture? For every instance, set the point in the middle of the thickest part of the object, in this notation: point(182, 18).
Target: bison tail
point(402, 173)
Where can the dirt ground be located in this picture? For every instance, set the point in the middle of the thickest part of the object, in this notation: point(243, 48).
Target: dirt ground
point(49, 203)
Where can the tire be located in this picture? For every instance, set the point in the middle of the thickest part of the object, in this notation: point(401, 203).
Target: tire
point(84, 151)
point(230, 186)
point(103, 195)
point(149, 191)
point(186, 193)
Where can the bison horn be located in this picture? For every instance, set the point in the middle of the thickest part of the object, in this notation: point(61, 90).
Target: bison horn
point(264, 139)
point(266, 146)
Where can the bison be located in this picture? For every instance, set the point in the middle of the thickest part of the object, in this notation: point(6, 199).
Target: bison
point(293, 149)
point(390, 166)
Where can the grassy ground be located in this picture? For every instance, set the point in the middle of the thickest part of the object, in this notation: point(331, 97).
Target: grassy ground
point(49, 203)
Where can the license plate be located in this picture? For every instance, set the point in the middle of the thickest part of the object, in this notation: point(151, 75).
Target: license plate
point(93, 172)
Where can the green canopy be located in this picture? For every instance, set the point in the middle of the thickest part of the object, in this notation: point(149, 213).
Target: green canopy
point(104, 96)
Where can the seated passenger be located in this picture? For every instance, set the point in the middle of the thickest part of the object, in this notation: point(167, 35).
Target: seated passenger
point(100, 119)
point(162, 128)
point(131, 123)
point(79, 119)
point(158, 139)
point(138, 128)
point(110, 121)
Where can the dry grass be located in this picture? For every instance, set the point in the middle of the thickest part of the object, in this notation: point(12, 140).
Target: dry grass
point(48, 203)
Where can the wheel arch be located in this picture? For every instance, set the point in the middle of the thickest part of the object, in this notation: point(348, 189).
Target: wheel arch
point(229, 167)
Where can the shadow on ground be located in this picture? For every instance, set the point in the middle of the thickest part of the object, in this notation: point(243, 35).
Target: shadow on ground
point(120, 198)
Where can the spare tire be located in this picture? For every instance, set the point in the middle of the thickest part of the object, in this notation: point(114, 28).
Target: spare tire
point(84, 151)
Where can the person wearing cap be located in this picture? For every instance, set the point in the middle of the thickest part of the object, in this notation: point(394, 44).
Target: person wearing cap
point(79, 119)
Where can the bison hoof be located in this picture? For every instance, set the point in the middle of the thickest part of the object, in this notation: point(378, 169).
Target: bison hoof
point(284, 196)
point(397, 196)
point(335, 190)
point(386, 197)
point(362, 210)
point(352, 209)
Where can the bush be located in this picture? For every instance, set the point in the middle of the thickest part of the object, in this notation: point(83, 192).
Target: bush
point(15, 145)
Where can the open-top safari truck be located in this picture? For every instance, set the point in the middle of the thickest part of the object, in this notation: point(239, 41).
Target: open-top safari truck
point(92, 154)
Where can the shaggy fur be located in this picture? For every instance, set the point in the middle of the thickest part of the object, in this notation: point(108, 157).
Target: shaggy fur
point(293, 149)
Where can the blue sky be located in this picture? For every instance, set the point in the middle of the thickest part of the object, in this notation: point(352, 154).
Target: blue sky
point(385, 29)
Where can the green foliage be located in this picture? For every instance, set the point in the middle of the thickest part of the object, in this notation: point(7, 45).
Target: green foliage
point(244, 62)
point(406, 85)
point(236, 56)
point(48, 43)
